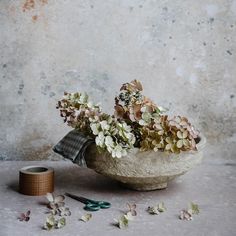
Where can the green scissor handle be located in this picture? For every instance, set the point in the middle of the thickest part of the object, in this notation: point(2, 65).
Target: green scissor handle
point(92, 205)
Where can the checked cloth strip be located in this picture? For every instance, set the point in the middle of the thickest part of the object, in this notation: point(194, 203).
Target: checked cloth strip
point(73, 147)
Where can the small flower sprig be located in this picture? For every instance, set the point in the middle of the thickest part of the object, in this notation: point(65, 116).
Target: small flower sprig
point(76, 109)
point(123, 221)
point(53, 223)
point(57, 205)
point(157, 209)
point(24, 216)
point(193, 209)
point(152, 129)
point(132, 106)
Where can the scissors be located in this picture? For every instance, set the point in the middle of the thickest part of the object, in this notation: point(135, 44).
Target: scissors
point(90, 205)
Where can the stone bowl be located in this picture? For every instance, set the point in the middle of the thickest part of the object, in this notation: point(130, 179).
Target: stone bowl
point(144, 171)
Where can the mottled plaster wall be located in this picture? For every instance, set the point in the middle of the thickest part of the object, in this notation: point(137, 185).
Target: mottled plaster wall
point(183, 51)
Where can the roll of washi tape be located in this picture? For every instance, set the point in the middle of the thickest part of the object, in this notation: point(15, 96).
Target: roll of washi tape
point(36, 180)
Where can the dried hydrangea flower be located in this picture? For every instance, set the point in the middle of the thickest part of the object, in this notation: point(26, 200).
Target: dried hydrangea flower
point(182, 123)
point(182, 139)
point(170, 135)
point(86, 217)
point(25, 216)
point(188, 214)
point(112, 135)
point(52, 223)
point(134, 85)
point(171, 144)
point(60, 223)
point(131, 105)
point(76, 109)
point(155, 210)
point(55, 202)
point(64, 211)
point(56, 205)
point(185, 215)
point(123, 222)
point(132, 209)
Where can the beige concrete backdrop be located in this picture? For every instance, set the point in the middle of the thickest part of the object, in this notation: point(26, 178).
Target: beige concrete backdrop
point(183, 51)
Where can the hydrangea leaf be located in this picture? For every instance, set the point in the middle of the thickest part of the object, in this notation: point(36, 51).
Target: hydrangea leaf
point(50, 223)
point(123, 222)
point(161, 207)
point(60, 223)
point(194, 208)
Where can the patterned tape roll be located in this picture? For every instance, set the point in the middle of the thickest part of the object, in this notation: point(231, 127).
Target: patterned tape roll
point(36, 180)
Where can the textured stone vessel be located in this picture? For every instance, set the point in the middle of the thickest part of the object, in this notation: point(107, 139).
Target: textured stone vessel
point(144, 171)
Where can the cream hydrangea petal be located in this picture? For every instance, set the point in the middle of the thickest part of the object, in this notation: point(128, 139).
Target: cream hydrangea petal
point(146, 116)
point(158, 126)
point(109, 141)
point(83, 98)
point(177, 119)
point(113, 153)
point(142, 122)
point(100, 139)
point(168, 146)
point(185, 134)
point(143, 109)
point(186, 142)
point(180, 134)
point(124, 152)
point(104, 125)
point(180, 143)
point(94, 127)
point(90, 104)
point(161, 132)
point(168, 140)
point(118, 154)
point(155, 149)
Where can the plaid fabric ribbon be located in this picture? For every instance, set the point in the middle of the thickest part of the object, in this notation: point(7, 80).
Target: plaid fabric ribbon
point(73, 147)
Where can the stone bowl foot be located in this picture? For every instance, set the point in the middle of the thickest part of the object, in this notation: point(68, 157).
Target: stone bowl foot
point(144, 187)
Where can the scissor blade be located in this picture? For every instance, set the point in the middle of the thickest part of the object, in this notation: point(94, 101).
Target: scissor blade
point(78, 198)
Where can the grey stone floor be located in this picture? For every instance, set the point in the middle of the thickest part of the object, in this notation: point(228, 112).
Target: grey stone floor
point(212, 185)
